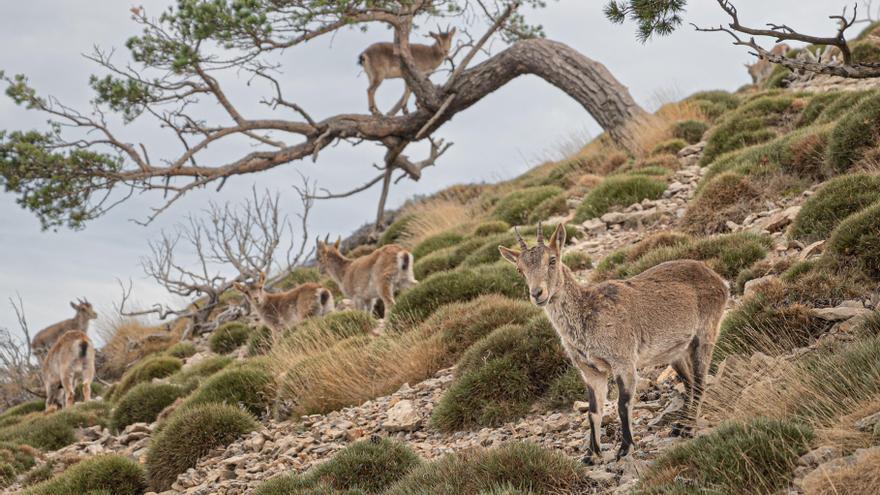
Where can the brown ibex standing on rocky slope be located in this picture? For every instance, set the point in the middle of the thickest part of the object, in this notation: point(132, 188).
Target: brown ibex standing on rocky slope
point(72, 354)
point(46, 337)
point(668, 314)
point(278, 310)
point(374, 276)
point(380, 62)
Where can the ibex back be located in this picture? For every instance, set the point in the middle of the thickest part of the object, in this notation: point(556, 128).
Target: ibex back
point(281, 309)
point(380, 62)
point(377, 275)
point(668, 314)
point(46, 337)
point(72, 354)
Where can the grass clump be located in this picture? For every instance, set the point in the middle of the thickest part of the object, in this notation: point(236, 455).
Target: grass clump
point(750, 124)
point(713, 104)
point(144, 371)
point(727, 197)
point(855, 132)
point(564, 390)
point(369, 466)
point(436, 242)
point(464, 284)
point(55, 430)
point(501, 376)
point(550, 207)
point(438, 261)
point(866, 52)
point(618, 191)
point(491, 227)
point(181, 350)
point(248, 386)
point(14, 413)
point(855, 242)
point(192, 374)
point(516, 207)
point(143, 403)
point(112, 474)
point(736, 458)
point(670, 147)
point(395, 230)
point(189, 434)
point(229, 337)
point(691, 131)
point(834, 201)
point(260, 341)
point(516, 466)
point(577, 260)
point(488, 251)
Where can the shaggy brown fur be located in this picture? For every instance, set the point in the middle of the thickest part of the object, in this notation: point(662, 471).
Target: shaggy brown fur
point(763, 69)
point(377, 275)
point(668, 314)
point(46, 338)
point(280, 310)
point(72, 354)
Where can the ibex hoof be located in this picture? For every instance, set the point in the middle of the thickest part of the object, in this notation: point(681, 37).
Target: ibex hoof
point(622, 452)
point(681, 430)
point(590, 459)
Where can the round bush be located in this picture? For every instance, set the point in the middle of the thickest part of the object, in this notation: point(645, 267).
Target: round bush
point(750, 124)
point(618, 191)
point(55, 430)
point(369, 466)
point(670, 147)
point(111, 473)
point(248, 386)
point(202, 369)
point(516, 206)
point(691, 131)
point(396, 229)
point(181, 350)
point(835, 200)
point(488, 251)
point(20, 458)
point(550, 207)
point(143, 403)
point(436, 242)
point(577, 260)
point(713, 104)
point(260, 341)
point(417, 303)
point(229, 337)
point(14, 412)
point(866, 52)
point(492, 227)
point(144, 371)
point(726, 197)
point(855, 242)
point(854, 133)
point(438, 261)
point(189, 434)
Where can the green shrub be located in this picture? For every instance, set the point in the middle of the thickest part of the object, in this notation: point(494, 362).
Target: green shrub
point(55, 430)
point(369, 466)
point(501, 376)
point(577, 260)
point(143, 403)
point(866, 52)
point(691, 131)
point(464, 284)
point(259, 341)
point(488, 251)
point(436, 242)
point(521, 466)
point(550, 207)
point(714, 104)
point(229, 337)
point(200, 370)
point(564, 390)
point(181, 350)
point(491, 227)
point(516, 206)
point(438, 261)
point(145, 370)
point(297, 276)
point(7, 474)
point(395, 230)
point(873, 28)
point(617, 191)
point(817, 105)
point(855, 242)
point(189, 434)
point(247, 386)
point(13, 413)
point(671, 147)
point(750, 124)
point(854, 133)
point(756, 457)
point(20, 459)
point(460, 324)
point(727, 197)
point(114, 474)
point(834, 201)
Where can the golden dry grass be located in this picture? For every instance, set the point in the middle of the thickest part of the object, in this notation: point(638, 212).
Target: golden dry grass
point(859, 478)
point(128, 339)
point(431, 217)
point(653, 129)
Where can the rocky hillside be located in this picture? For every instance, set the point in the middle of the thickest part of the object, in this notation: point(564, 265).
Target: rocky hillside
point(463, 388)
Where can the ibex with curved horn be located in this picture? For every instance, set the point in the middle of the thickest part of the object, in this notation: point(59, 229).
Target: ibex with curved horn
point(377, 275)
point(45, 338)
point(668, 314)
point(381, 61)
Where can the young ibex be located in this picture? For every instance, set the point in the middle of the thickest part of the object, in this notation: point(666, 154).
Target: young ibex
point(668, 314)
point(46, 337)
point(374, 276)
point(763, 69)
point(279, 310)
point(72, 354)
point(380, 62)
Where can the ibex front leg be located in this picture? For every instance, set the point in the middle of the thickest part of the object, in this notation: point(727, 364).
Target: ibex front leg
point(626, 389)
point(597, 391)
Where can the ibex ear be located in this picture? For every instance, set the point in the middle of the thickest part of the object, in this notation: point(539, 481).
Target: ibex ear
point(338, 241)
point(73, 305)
point(557, 240)
point(509, 254)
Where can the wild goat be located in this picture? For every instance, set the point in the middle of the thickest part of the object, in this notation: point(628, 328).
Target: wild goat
point(668, 314)
point(279, 310)
point(380, 61)
point(374, 276)
point(46, 337)
point(763, 68)
point(71, 354)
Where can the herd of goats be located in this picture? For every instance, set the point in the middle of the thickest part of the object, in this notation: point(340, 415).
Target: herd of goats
point(667, 315)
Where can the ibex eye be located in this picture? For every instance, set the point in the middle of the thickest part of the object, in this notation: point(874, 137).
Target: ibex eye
point(552, 260)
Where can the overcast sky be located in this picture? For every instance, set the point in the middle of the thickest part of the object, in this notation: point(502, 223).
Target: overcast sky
point(507, 133)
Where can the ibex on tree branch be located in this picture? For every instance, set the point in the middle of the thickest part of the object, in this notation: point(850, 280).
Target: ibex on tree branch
point(382, 61)
point(668, 314)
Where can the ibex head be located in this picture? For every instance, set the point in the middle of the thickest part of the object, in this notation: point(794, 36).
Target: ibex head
point(443, 38)
point(540, 264)
point(254, 290)
point(325, 250)
point(83, 307)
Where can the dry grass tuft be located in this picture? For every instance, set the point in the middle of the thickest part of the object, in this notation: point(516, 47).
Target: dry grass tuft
point(432, 217)
point(654, 129)
point(130, 339)
point(859, 478)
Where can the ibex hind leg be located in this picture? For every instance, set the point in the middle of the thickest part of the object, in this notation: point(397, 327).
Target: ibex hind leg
point(683, 368)
point(700, 359)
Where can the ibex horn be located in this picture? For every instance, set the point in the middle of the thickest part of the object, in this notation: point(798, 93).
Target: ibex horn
point(327, 239)
point(540, 235)
point(522, 243)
